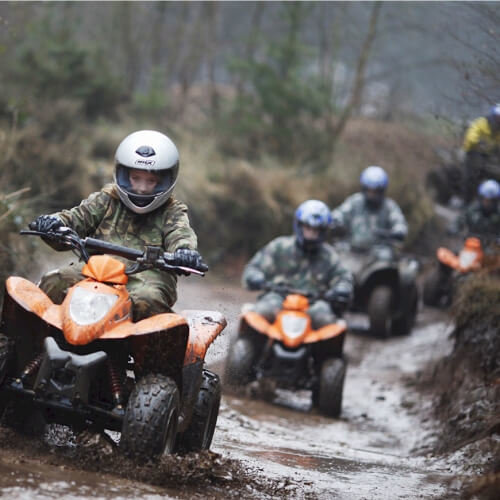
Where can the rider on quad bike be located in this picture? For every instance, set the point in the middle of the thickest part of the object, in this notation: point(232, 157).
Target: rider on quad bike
point(291, 334)
point(374, 227)
point(72, 361)
point(138, 209)
point(482, 151)
point(481, 218)
point(480, 225)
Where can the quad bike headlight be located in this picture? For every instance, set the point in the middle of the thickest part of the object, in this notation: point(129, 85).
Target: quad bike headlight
point(293, 326)
point(466, 258)
point(88, 307)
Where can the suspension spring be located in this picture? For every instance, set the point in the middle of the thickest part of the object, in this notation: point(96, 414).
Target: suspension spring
point(115, 382)
point(32, 367)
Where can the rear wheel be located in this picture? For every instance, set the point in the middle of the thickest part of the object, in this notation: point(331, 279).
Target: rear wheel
point(240, 362)
point(150, 421)
point(198, 436)
point(331, 387)
point(380, 311)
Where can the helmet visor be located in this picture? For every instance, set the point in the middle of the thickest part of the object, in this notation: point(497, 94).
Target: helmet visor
point(143, 186)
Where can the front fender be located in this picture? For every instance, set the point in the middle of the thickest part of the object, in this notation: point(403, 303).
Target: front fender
point(408, 271)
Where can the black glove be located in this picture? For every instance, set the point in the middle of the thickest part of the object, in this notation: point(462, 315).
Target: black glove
point(45, 223)
point(256, 280)
point(189, 258)
point(390, 234)
point(340, 297)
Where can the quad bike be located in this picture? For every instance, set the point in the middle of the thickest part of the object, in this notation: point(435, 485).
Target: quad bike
point(451, 269)
point(87, 365)
point(290, 352)
point(384, 287)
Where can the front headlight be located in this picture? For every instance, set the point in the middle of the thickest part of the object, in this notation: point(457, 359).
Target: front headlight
point(293, 326)
point(88, 307)
point(466, 258)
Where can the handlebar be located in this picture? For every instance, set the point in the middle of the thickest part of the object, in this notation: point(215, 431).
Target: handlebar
point(150, 257)
point(284, 289)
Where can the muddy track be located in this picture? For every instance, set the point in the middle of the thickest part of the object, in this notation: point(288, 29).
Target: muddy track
point(263, 450)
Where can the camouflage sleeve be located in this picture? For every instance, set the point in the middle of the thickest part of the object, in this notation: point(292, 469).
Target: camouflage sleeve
point(261, 263)
point(177, 232)
point(397, 220)
point(85, 218)
point(339, 274)
point(342, 214)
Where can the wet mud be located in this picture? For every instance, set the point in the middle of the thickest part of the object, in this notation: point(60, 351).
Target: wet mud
point(277, 449)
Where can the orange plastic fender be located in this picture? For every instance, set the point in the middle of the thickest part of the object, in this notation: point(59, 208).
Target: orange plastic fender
point(260, 324)
point(204, 326)
point(447, 257)
point(326, 332)
point(156, 323)
point(34, 300)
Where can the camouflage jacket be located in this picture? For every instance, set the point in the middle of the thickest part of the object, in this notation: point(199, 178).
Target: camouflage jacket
point(474, 222)
point(102, 215)
point(361, 221)
point(282, 261)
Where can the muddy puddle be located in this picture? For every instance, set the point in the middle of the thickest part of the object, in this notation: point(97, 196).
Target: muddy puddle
point(278, 450)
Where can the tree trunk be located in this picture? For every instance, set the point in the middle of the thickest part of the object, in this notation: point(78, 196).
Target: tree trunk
point(359, 79)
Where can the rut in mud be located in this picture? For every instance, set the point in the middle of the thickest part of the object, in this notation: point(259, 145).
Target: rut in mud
point(263, 450)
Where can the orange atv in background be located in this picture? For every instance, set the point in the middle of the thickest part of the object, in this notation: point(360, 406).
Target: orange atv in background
point(87, 365)
point(440, 282)
point(290, 352)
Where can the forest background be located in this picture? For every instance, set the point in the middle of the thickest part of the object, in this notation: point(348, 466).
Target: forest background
point(269, 103)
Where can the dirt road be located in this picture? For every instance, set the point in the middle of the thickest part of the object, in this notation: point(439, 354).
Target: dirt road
point(282, 449)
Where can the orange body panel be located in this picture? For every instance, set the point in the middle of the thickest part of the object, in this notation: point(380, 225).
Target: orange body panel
point(105, 269)
point(295, 302)
point(472, 246)
point(204, 326)
point(277, 332)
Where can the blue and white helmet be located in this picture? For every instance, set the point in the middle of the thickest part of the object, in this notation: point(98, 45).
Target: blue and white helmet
point(494, 116)
point(495, 110)
point(374, 177)
point(489, 189)
point(315, 214)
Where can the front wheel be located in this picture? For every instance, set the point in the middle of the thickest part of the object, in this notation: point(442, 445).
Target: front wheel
point(380, 311)
point(150, 422)
point(435, 286)
point(404, 324)
point(331, 387)
point(198, 436)
point(240, 362)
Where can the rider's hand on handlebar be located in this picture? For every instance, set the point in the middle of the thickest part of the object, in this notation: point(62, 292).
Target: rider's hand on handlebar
point(256, 281)
point(45, 223)
point(390, 234)
point(340, 297)
point(190, 258)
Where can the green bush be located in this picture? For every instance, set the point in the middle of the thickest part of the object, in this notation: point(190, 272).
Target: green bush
point(278, 109)
point(54, 66)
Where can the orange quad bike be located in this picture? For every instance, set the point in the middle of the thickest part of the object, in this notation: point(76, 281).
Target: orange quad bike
point(290, 353)
point(451, 269)
point(87, 365)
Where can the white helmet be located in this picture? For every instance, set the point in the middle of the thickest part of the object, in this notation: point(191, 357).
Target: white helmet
point(151, 151)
